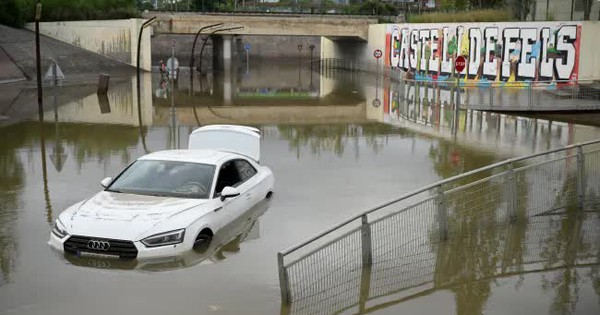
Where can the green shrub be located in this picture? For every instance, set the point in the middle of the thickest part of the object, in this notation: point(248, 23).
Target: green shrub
point(17, 12)
point(486, 15)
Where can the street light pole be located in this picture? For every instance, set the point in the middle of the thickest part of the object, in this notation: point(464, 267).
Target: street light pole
point(193, 49)
point(38, 65)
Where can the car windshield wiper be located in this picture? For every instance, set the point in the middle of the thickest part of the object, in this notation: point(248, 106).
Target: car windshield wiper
point(114, 190)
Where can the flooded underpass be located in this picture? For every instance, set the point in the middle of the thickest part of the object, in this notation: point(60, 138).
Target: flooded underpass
point(334, 152)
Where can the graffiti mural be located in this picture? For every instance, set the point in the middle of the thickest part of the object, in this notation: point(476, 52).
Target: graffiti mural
point(495, 52)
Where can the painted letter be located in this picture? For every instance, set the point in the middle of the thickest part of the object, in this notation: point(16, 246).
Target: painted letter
point(547, 63)
point(434, 60)
point(566, 36)
point(423, 37)
point(526, 68)
point(446, 67)
point(413, 48)
point(395, 48)
point(474, 51)
point(489, 65)
point(510, 35)
point(404, 50)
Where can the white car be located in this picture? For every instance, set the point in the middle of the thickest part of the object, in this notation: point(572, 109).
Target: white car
point(166, 202)
point(225, 243)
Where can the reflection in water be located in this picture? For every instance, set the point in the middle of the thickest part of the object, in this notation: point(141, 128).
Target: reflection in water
point(335, 138)
point(225, 242)
point(11, 185)
point(468, 265)
point(90, 137)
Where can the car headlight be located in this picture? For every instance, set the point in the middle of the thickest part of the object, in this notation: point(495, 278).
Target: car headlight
point(166, 238)
point(58, 229)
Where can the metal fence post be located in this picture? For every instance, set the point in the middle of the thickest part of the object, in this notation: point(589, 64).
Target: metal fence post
point(442, 214)
point(365, 230)
point(283, 280)
point(511, 194)
point(580, 177)
point(367, 261)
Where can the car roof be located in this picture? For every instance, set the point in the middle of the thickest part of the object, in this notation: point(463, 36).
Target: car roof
point(204, 156)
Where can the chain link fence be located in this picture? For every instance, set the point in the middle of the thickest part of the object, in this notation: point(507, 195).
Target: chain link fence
point(504, 218)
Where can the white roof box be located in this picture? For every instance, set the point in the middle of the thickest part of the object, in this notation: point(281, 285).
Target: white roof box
point(231, 138)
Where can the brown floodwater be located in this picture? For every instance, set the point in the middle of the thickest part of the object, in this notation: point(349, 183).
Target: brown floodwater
point(334, 152)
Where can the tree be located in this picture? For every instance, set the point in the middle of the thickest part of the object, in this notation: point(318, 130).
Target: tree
point(522, 8)
point(587, 8)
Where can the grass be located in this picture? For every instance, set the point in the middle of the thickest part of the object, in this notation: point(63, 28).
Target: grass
point(486, 15)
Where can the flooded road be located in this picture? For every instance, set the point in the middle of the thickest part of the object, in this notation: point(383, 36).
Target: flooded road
point(333, 154)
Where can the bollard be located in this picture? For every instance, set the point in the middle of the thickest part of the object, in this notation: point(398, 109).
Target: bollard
point(442, 214)
point(103, 83)
point(580, 178)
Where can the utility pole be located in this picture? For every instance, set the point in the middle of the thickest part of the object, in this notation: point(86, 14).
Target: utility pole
point(547, 9)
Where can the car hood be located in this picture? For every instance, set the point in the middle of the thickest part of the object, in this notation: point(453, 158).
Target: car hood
point(123, 216)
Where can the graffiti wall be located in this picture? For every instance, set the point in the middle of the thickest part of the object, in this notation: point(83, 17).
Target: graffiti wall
point(494, 52)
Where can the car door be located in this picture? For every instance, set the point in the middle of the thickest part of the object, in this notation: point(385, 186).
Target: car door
point(230, 207)
point(249, 183)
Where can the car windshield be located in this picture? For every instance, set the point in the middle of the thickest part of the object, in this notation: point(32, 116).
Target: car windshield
point(166, 178)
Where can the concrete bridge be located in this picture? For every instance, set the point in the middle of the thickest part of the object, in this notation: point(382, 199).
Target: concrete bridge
point(352, 27)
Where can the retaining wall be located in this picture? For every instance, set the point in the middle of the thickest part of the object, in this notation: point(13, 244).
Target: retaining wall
point(116, 39)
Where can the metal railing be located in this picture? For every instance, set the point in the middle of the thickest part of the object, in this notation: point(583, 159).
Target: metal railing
point(555, 95)
point(543, 243)
point(510, 192)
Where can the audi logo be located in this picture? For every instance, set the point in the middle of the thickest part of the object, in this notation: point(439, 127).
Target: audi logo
point(98, 245)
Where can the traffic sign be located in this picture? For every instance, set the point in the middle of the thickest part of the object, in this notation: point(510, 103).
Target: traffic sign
point(377, 53)
point(460, 63)
point(247, 46)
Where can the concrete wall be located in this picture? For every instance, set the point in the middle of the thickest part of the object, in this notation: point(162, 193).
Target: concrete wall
point(589, 56)
point(116, 39)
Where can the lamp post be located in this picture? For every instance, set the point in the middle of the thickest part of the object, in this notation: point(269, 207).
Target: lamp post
point(192, 55)
point(38, 15)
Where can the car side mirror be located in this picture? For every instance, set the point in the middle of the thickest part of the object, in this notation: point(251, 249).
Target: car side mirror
point(105, 182)
point(229, 192)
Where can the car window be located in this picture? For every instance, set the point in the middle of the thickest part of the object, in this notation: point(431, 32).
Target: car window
point(245, 169)
point(165, 178)
point(228, 176)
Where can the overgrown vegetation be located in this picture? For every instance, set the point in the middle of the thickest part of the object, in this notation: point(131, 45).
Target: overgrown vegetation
point(17, 12)
point(484, 15)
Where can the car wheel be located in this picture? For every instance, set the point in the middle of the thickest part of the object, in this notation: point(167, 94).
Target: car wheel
point(202, 241)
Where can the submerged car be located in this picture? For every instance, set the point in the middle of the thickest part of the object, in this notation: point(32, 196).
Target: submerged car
point(167, 202)
point(225, 243)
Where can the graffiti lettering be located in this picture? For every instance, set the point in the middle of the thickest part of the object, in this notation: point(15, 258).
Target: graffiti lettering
point(544, 51)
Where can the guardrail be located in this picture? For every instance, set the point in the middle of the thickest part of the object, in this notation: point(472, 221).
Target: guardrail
point(506, 192)
point(555, 95)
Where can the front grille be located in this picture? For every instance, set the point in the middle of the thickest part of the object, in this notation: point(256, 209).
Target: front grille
point(124, 249)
